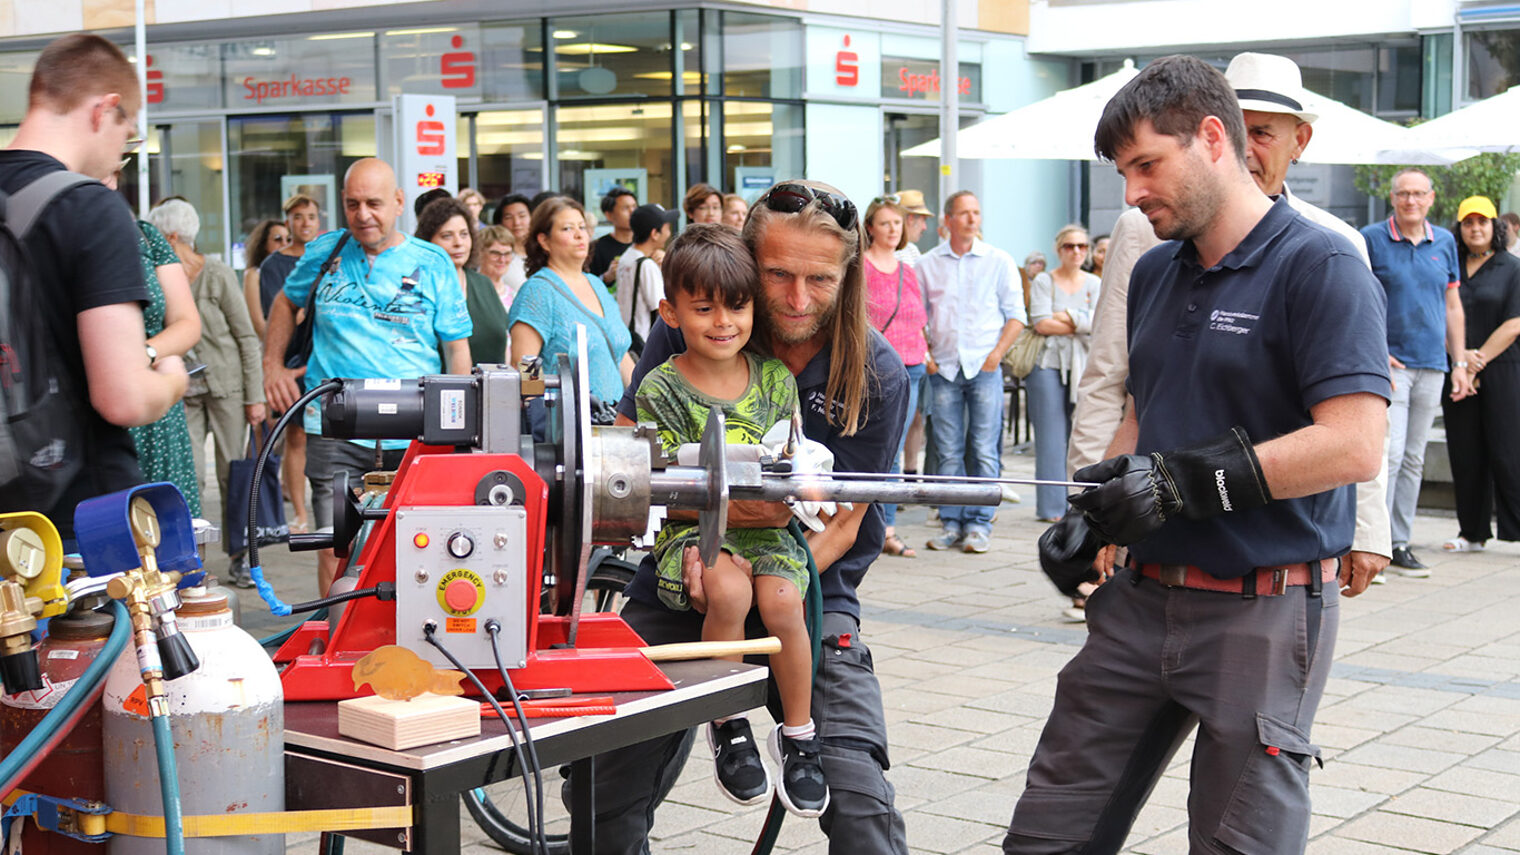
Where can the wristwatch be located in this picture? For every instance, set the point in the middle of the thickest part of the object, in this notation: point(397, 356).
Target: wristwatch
point(152, 354)
point(1462, 364)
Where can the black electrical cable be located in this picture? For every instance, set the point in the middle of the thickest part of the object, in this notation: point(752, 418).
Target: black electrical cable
point(384, 591)
point(493, 628)
point(535, 827)
point(258, 468)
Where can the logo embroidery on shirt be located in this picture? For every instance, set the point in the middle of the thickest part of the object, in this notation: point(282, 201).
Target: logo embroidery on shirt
point(1237, 323)
point(1224, 492)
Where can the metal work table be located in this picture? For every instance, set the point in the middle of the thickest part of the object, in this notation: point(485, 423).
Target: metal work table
point(326, 770)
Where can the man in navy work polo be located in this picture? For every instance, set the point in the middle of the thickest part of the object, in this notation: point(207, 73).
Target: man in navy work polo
point(1256, 369)
point(1417, 264)
point(387, 309)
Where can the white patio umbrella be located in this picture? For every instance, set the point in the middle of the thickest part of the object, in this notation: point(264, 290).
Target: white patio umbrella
point(1061, 128)
point(1492, 124)
point(1056, 128)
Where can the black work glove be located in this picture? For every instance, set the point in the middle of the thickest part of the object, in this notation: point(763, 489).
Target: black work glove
point(1137, 493)
point(1067, 551)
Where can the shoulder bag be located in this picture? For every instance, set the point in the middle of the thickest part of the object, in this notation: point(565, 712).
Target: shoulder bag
point(298, 349)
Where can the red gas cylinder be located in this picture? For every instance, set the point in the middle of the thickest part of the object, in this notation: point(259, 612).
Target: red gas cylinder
point(76, 768)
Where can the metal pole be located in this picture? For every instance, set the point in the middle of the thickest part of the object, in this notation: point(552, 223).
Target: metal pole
point(140, 29)
point(949, 99)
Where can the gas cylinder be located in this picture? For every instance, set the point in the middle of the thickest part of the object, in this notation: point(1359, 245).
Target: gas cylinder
point(228, 721)
point(75, 768)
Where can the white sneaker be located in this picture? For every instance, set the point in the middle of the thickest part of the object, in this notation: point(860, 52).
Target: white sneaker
point(1010, 495)
point(1462, 544)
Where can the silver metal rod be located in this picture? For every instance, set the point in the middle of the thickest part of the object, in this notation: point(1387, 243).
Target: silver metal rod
point(815, 489)
point(931, 479)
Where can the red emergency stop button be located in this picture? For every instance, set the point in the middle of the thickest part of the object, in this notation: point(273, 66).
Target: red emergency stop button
point(461, 595)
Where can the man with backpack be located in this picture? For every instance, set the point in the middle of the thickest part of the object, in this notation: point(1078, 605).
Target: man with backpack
point(640, 286)
point(74, 327)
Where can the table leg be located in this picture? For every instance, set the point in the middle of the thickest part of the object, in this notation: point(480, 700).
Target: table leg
point(436, 831)
point(583, 806)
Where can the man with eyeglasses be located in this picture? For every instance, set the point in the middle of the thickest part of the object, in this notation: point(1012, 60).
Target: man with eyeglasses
point(81, 116)
point(1417, 264)
point(806, 240)
point(976, 310)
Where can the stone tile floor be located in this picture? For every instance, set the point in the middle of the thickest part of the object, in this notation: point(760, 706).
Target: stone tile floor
point(1420, 724)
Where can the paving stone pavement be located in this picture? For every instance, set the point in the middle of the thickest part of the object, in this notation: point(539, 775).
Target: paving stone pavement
point(1420, 723)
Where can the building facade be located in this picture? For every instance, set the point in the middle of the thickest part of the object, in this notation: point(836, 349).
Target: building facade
point(250, 101)
point(1400, 61)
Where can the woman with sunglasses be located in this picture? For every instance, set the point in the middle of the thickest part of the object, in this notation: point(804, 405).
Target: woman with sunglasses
point(895, 305)
point(1061, 303)
point(559, 295)
point(266, 239)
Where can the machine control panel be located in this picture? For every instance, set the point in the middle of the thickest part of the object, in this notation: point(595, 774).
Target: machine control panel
point(460, 567)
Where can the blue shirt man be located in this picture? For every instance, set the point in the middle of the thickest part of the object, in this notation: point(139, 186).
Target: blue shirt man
point(393, 308)
point(1417, 264)
point(976, 310)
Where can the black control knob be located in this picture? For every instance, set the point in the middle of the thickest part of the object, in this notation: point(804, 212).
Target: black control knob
point(178, 658)
point(461, 545)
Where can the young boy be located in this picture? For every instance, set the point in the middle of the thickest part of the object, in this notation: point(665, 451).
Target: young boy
point(711, 283)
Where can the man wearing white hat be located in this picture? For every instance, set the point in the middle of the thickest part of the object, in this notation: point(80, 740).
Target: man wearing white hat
point(1279, 125)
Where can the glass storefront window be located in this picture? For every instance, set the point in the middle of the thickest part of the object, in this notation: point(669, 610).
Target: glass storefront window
point(697, 125)
point(273, 156)
point(1493, 62)
point(513, 61)
point(762, 144)
point(613, 54)
point(509, 152)
point(321, 69)
point(762, 56)
point(184, 77)
point(15, 77)
point(616, 136)
point(431, 61)
point(1400, 71)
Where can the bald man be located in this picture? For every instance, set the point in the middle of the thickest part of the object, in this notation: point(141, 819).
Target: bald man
point(389, 307)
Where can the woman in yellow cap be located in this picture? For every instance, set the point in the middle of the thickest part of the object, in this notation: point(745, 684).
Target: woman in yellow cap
point(1485, 460)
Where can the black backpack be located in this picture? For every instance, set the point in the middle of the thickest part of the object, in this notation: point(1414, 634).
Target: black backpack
point(42, 444)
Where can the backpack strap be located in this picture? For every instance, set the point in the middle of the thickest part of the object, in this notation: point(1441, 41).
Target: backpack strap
point(27, 204)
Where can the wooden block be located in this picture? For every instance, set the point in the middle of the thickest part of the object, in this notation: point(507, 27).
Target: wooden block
point(423, 720)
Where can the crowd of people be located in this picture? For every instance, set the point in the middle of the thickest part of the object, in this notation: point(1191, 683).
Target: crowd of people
point(1228, 397)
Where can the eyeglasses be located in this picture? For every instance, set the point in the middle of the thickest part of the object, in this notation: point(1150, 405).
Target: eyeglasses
point(791, 198)
point(500, 254)
point(1407, 195)
point(281, 238)
point(1081, 246)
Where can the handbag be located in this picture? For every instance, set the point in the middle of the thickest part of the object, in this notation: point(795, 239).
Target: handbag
point(1021, 357)
point(298, 349)
point(270, 526)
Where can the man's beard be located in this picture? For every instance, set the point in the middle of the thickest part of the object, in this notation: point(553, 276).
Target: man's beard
point(821, 320)
point(1193, 212)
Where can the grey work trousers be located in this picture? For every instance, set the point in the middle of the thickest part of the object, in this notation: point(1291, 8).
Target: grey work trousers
point(861, 819)
point(1158, 661)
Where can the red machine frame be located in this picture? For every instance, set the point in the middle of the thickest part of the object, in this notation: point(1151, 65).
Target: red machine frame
point(606, 657)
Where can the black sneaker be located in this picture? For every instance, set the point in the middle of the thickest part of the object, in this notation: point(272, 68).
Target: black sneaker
point(803, 789)
point(238, 574)
point(736, 762)
point(1406, 564)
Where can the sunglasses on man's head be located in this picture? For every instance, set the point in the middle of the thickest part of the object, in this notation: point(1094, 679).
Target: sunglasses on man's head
point(791, 198)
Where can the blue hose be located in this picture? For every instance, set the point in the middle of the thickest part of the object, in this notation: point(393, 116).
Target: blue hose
point(168, 783)
point(31, 750)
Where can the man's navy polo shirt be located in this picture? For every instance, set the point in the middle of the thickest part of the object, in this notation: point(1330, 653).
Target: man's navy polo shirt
point(1415, 278)
point(872, 448)
point(1289, 318)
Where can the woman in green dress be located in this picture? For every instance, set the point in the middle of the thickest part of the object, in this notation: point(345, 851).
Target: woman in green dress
point(173, 326)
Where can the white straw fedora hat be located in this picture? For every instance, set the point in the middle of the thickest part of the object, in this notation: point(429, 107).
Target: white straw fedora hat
point(1269, 84)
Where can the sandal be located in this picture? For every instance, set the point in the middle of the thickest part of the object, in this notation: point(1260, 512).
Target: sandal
point(894, 545)
point(1462, 544)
